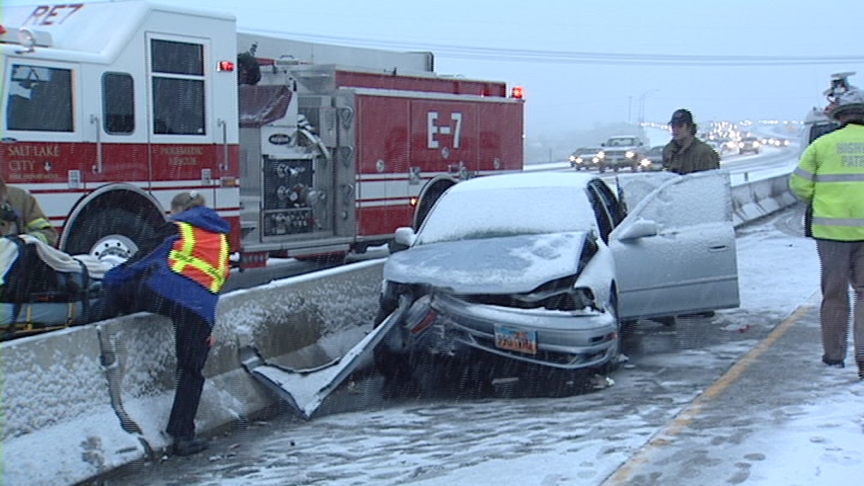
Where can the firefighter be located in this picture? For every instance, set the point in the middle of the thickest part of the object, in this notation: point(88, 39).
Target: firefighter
point(685, 153)
point(20, 214)
point(830, 178)
point(180, 278)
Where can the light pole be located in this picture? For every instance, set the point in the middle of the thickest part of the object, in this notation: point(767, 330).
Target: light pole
point(630, 109)
point(642, 103)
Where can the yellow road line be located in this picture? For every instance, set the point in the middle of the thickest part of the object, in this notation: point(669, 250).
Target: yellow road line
point(626, 471)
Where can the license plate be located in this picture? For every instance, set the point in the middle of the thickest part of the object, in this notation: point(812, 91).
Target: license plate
point(513, 340)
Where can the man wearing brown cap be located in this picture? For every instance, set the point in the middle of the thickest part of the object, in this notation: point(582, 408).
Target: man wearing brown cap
point(686, 153)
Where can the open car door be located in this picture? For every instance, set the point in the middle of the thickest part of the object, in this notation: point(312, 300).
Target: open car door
point(675, 251)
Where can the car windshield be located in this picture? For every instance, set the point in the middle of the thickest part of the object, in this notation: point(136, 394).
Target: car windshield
point(499, 212)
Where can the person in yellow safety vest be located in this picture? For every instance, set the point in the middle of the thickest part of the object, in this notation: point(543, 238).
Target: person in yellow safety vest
point(20, 214)
point(830, 178)
point(180, 278)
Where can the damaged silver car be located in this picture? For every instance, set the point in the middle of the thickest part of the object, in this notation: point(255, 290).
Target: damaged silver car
point(543, 268)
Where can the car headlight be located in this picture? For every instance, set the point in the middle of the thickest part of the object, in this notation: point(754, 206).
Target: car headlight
point(596, 160)
point(630, 154)
point(579, 160)
point(573, 159)
point(601, 155)
point(645, 163)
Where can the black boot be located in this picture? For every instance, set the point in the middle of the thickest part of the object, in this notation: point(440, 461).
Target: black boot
point(834, 363)
point(189, 446)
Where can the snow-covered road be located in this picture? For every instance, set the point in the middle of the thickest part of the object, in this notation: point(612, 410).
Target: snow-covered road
point(727, 400)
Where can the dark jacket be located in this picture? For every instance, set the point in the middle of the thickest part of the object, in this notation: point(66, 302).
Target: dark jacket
point(693, 157)
point(151, 265)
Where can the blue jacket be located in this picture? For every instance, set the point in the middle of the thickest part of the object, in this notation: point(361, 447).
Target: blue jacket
point(152, 266)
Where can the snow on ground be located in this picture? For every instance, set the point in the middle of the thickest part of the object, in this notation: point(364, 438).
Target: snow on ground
point(800, 425)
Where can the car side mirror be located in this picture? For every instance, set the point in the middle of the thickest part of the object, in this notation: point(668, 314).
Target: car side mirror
point(639, 229)
point(404, 236)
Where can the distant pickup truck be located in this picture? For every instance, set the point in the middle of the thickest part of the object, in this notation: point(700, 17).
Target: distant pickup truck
point(622, 151)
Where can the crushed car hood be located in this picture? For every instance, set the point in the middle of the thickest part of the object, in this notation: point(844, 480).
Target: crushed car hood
point(506, 265)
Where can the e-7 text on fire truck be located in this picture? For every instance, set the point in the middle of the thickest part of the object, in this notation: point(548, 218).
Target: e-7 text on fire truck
point(307, 149)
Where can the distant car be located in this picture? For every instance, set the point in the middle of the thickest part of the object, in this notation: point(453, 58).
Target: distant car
point(585, 158)
point(749, 144)
point(653, 159)
point(542, 268)
point(725, 146)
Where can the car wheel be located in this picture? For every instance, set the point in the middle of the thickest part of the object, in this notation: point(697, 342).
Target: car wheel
point(398, 373)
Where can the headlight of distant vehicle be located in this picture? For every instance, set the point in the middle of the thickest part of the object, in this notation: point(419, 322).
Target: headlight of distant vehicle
point(579, 160)
point(573, 158)
point(630, 154)
point(601, 155)
point(645, 163)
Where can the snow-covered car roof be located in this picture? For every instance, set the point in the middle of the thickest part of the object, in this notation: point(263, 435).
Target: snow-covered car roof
point(511, 204)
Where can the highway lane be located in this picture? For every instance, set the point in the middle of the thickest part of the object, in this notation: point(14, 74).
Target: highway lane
point(578, 435)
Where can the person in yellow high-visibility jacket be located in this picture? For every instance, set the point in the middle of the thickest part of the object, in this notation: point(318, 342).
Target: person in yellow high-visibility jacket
point(830, 178)
point(180, 277)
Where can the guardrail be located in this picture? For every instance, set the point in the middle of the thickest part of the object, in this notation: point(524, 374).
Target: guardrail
point(84, 401)
point(753, 200)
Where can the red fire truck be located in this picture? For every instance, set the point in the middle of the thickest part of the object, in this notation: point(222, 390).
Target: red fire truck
point(307, 149)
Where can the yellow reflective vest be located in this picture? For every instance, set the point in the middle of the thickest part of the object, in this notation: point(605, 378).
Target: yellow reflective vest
point(830, 177)
point(201, 256)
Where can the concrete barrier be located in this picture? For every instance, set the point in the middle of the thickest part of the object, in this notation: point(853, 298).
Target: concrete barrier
point(761, 198)
point(83, 401)
point(87, 400)
point(58, 423)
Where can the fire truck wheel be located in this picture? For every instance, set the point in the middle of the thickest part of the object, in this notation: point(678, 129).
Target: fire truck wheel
point(114, 233)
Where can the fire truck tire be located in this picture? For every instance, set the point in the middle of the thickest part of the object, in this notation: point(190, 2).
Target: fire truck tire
point(111, 233)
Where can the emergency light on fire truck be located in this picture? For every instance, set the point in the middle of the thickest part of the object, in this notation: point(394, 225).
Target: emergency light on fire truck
point(111, 108)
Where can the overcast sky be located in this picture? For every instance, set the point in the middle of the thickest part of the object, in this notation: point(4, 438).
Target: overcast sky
point(564, 92)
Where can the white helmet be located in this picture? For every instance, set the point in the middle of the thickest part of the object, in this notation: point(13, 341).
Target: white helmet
point(850, 101)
